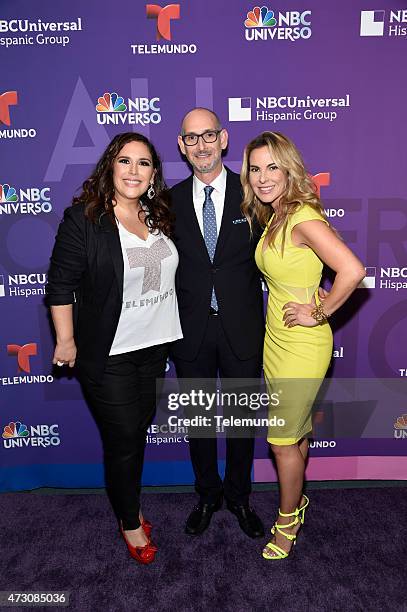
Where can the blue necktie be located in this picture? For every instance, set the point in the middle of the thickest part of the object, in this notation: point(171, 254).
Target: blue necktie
point(210, 232)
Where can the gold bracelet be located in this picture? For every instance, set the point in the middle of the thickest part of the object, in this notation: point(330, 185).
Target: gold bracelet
point(319, 315)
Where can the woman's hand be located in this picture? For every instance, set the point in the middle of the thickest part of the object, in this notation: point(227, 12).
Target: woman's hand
point(299, 314)
point(65, 353)
point(322, 294)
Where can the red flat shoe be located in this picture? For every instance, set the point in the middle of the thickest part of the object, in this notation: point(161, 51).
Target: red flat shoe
point(143, 554)
point(147, 527)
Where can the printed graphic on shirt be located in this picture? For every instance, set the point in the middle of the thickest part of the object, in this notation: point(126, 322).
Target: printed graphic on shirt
point(150, 259)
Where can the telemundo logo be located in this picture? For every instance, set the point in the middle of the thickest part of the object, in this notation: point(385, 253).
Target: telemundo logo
point(9, 99)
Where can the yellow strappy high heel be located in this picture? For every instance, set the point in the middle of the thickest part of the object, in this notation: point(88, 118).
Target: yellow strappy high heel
point(301, 512)
point(280, 553)
point(303, 508)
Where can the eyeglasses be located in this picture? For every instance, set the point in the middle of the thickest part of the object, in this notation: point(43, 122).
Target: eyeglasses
point(192, 139)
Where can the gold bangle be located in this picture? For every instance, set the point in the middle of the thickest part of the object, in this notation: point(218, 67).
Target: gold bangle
point(319, 315)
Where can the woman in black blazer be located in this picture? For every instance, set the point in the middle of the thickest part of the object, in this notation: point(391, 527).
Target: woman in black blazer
point(113, 304)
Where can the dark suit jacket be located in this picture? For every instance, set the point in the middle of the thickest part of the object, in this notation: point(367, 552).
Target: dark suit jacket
point(233, 273)
point(87, 271)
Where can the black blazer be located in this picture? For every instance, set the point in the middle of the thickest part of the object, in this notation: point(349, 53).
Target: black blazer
point(234, 275)
point(87, 271)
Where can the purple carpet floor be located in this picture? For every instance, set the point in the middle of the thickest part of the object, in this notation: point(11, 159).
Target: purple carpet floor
point(351, 555)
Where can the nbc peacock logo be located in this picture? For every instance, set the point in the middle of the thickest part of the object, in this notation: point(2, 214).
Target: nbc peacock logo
point(8, 194)
point(111, 103)
point(400, 427)
point(260, 18)
point(15, 429)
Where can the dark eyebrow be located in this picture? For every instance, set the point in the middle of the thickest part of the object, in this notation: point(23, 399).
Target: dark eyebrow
point(200, 134)
point(141, 158)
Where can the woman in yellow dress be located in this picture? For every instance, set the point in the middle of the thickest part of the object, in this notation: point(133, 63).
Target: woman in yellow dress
point(297, 241)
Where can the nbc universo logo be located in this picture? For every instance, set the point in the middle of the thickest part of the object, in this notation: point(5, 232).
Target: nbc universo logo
point(369, 282)
point(400, 427)
point(372, 23)
point(111, 108)
point(163, 15)
point(7, 99)
point(17, 434)
point(240, 109)
point(23, 354)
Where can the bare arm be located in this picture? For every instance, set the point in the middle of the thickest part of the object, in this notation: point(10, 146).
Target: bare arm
point(65, 349)
point(335, 254)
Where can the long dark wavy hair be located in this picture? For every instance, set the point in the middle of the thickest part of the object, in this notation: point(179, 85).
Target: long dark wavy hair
point(98, 190)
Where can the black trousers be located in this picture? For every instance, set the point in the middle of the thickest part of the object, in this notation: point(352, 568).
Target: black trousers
point(123, 406)
point(216, 356)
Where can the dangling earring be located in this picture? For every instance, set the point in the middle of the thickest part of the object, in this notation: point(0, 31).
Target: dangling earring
point(151, 192)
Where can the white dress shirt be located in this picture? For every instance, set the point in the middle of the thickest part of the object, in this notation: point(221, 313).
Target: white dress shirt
point(217, 195)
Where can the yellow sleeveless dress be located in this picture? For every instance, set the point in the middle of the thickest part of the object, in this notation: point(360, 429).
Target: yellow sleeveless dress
point(295, 359)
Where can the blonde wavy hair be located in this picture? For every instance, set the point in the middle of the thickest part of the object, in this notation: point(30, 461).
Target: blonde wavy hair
point(299, 188)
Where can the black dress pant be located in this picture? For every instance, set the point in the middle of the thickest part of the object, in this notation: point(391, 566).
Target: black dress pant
point(123, 406)
point(216, 356)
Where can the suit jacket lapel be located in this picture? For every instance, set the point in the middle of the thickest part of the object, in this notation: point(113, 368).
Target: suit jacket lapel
point(111, 235)
point(230, 211)
point(191, 221)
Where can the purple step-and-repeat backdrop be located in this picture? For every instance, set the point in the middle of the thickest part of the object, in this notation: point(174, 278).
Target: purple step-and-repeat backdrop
point(329, 75)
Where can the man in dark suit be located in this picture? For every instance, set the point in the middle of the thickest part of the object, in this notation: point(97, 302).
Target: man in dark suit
point(221, 308)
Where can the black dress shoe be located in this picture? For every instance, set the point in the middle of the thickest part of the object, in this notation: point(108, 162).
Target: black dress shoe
point(248, 520)
point(200, 517)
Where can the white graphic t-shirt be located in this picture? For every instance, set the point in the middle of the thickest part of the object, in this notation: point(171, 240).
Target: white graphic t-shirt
point(149, 314)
